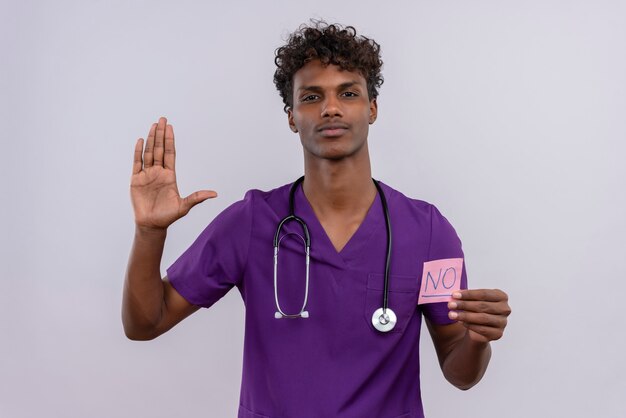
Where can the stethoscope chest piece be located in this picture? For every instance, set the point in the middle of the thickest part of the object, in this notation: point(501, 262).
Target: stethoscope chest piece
point(384, 321)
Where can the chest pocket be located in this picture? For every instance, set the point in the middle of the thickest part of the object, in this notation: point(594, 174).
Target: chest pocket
point(402, 298)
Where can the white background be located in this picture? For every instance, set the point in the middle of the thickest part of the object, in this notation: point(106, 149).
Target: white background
point(509, 116)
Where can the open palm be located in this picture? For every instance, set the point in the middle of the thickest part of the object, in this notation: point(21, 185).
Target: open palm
point(153, 189)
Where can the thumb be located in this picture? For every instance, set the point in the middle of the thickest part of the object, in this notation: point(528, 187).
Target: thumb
point(197, 197)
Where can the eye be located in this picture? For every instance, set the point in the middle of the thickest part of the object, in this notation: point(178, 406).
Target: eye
point(350, 94)
point(309, 98)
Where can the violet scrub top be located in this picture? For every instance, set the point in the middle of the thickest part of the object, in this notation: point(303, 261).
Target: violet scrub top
point(334, 363)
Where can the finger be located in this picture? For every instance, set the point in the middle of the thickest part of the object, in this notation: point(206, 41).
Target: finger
point(489, 295)
point(158, 142)
point(169, 157)
point(195, 198)
point(148, 151)
point(472, 318)
point(137, 161)
point(496, 308)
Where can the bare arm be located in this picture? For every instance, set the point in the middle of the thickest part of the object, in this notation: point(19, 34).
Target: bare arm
point(463, 348)
point(150, 305)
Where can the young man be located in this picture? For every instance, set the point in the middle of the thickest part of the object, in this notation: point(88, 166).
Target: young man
point(313, 345)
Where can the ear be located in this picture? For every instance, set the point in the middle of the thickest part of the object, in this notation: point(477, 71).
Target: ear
point(292, 124)
point(373, 111)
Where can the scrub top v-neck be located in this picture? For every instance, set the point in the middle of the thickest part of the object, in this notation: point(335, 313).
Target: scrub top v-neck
point(373, 219)
point(334, 363)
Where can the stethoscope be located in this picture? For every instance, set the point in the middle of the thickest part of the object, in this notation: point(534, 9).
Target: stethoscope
point(383, 319)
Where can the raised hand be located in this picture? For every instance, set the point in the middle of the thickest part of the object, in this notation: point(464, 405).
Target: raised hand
point(153, 190)
point(483, 312)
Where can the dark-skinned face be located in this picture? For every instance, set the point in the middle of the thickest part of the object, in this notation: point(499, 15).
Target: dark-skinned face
point(331, 111)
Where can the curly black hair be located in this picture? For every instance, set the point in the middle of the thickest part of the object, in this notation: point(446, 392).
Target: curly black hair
point(331, 44)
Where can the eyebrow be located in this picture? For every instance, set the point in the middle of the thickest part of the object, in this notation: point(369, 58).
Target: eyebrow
point(342, 86)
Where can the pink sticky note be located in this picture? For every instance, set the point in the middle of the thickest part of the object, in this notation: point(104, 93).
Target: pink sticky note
point(439, 279)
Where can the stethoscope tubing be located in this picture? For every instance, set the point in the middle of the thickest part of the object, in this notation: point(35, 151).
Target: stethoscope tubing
point(307, 250)
point(383, 200)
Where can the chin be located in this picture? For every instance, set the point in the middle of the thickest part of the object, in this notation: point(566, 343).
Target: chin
point(333, 150)
point(335, 154)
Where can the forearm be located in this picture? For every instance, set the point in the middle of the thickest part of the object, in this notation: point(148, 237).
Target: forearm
point(143, 288)
point(467, 362)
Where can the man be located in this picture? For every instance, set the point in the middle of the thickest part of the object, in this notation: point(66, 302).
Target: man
point(330, 359)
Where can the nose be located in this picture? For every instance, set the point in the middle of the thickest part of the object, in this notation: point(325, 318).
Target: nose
point(331, 108)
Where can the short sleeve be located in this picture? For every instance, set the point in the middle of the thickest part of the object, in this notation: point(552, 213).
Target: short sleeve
point(444, 243)
point(216, 261)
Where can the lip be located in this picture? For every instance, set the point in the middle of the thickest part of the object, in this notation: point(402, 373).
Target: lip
point(333, 129)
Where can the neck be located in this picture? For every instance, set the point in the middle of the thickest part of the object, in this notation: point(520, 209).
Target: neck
point(343, 186)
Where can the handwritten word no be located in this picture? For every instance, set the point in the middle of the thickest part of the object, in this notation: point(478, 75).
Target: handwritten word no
point(442, 280)
point(439, 279)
